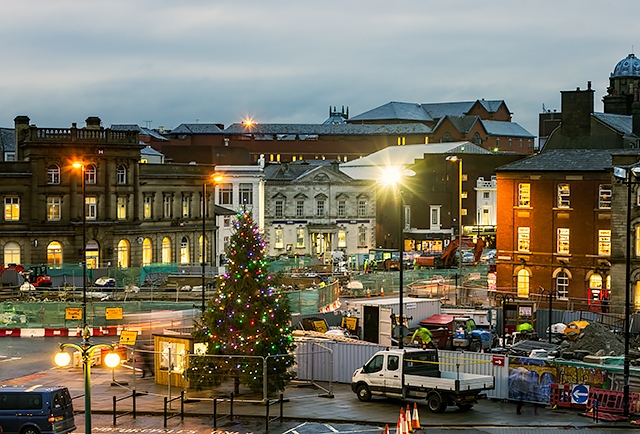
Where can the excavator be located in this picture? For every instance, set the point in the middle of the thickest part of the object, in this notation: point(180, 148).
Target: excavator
point(36, 275)
point(448, 256)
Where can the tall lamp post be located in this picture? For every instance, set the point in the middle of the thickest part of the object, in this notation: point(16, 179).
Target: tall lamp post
point(217, 178)
point(86, 350)
point(394, 176)
point(551, 293)
point(457, 159)
point(81, 166)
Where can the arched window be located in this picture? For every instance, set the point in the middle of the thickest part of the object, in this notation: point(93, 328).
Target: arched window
point(90, 174)
point(166, 250)
point(562, 285)
point(124, 249)
point(54, 254)
point(184, 251)
point(595, 281)
point(53, 174)
point(122, 174)
point(12, 253)
point(147, 251)
point(523, 283)
point(206, 246)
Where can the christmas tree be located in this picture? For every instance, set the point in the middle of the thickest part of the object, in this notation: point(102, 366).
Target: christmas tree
point(248, 319)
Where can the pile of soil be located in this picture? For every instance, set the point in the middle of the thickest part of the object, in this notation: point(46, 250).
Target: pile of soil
point(596, 337)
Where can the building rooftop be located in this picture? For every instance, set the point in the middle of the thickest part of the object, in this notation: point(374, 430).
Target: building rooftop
point(563, 160)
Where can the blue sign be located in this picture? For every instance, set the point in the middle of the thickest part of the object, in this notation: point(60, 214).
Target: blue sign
point(579, 394)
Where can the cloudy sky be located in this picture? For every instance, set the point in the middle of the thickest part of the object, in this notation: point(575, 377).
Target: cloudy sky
point(163, 63)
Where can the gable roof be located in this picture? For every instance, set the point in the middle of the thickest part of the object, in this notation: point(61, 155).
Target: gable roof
point(326, 129)
point(196, 129)
point(424, 112)
point(299, 170)
point(498, 128)
point(620, 123)
point(563, 160)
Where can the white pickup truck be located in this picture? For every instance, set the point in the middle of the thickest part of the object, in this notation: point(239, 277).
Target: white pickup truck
point(415, 373)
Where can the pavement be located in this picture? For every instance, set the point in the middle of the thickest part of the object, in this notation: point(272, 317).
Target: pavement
point(303, 402)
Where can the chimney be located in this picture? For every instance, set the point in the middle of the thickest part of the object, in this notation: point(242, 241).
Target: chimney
point(21, 133)
point(93, 123)
point(577, 107)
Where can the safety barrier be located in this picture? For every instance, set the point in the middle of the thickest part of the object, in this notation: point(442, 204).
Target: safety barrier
point(13, 333)
point(560, 396)
point(611, 401)
point(167, 402)
point(133, 410)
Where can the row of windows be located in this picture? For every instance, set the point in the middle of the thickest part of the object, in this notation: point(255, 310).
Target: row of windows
point(563, 240)
point(320, 208)
point(245, 192)
point(90, 174)
point(564, 196)
point(279, 241)
point(561, 281)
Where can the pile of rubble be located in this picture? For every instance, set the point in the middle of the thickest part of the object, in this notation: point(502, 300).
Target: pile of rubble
point(597, 340)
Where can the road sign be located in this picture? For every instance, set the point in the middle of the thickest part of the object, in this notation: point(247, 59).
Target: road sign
point(128, 337)
point(579, 394)
point(497, 360)
point(73, 313)
point(113, 313)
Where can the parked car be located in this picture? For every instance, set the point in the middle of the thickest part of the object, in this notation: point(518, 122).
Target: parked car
point(105, 282)
point(36, 410)
point(488, 256)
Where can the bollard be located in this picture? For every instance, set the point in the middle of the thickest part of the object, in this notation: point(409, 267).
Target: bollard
point(182, 405)
point(114, 411)
point(231, 407)
point(165, 411)
point(215, 413)
point(281, 407)
point(266, 418)
point(134, 404)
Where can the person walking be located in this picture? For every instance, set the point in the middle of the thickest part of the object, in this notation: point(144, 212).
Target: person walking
point(146, 353)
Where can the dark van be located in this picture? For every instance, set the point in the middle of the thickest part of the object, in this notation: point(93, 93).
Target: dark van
point(36, 410)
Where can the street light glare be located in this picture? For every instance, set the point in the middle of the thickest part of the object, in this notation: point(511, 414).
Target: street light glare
point(62, 358)
point(111, 360)
point(77, 165)
point(391, 175)
point(217, 177)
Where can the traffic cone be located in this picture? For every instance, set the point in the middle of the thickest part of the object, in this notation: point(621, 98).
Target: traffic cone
point(385, 430)
point(415, 418)
point(403, 422)
point(381, 292)
point(368, 292)
point(408, 419)
point(400, 427)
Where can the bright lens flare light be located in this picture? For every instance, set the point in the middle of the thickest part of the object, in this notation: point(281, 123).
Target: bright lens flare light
point(62, 358)
point(112, 360)
point(391, 175)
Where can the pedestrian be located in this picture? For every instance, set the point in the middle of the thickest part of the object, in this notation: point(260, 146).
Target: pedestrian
point(519, 387)
point(146, 353)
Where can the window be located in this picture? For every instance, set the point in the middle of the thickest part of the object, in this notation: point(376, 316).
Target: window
point(604, 242)
point(595, 281)
point(524, 239)
point(11, 209)
point(486, 195)
point(564, 193)
point(362, 208)
point(185, 206)
point(184, 251)
point(246, 193)
point(279, 204)
point(147, 207)
point(342, 208)
point(563, 241)
point(510, 142)
point(53, 174)
point(342, 238)
point(393, 363)
point(362, 236)
point(166, 206)
point(225, 194)
point(523, 283)
point(9, 156)
point(147, 251)
point(202, 248)
point(637, 241)
point(434, 212)
point(498, 142)
point(300, 208)
point(279, 239)
point(524, 194)
point(300, 238)
point(166, 250)
point(375, 365)
point(54, 254)
point(521, 143)
point(320, 207)
point(122, 208)
point(12, 253)
point(123, 254)
point(562, 285)
point(90, 174)
point(604, 196)
point(91, 208)
point(226, 221)
point(53, 208)
point(122, 174)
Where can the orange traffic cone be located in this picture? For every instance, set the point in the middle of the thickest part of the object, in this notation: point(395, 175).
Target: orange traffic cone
point(403, 422)
point(385, 430)
point(381, 292)
point(400, 426)
point(415, 418)
point(407, 417)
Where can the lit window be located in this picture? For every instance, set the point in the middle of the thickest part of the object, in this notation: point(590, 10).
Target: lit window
point(11, 209)
point(300, 208)
point(595, 281)
point(123, 254)
point(184, 251)
point(90, 174)
point(166, 250)
point(54, 254)
point(564, 193)
point(225, 194)
point(342, 238)
point(91, 208)
point(202, 247)
point(279, 238)
point(12, 253)
point(562, 285)
point(185, 206)
point(523, 283)
point(279, 204)
point(342, 208)
point(53, 174)
point(563, 241)
point(524, 239)
point(362, 236)
point(147, 207)
point(122, 174)
point(53, 208)
point(637, 231)
point(362, 208)
point(246, 193)
point(604, 197)
point(122, 208)
point(147, 251)
point(604, 242)
point(524, 194)
point(300, 238)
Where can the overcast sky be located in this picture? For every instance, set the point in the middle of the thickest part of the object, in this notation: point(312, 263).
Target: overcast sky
point(163, 63)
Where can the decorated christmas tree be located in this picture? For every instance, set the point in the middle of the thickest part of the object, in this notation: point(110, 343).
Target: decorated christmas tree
point(248, 320)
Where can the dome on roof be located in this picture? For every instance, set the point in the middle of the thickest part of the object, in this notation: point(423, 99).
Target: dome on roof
point(627, 67)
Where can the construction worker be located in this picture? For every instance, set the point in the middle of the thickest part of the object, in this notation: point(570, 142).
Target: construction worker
point(422, 336)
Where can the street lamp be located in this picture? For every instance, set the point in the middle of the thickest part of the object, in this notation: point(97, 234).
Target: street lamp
point(393, 176)
point(551, 293)
point(86, 350)
point(217, 178)
point(457, 159)
point(80, 165)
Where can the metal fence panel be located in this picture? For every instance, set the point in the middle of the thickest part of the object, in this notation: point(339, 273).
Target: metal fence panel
point(478, 363)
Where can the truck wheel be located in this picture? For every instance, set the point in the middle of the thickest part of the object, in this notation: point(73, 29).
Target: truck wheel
point(363, 392)
point(435, 404)
point(475, 346)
